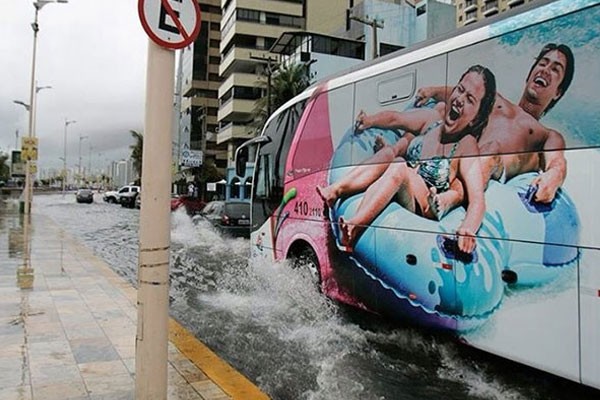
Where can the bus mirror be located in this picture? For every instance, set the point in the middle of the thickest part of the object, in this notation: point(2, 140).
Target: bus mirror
point(242, 153)
point(241, 158)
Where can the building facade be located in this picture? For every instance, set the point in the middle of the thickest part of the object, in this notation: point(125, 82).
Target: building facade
point(249, 29)
point(470, 11)
point(196, 98)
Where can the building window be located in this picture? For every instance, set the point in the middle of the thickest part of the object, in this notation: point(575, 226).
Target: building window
point(422, 10)
point(214, 43)
point(386, 48)
point(248, 15)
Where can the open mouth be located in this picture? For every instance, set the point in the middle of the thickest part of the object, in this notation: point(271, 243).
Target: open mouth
point(454, 113)
point(540, 81)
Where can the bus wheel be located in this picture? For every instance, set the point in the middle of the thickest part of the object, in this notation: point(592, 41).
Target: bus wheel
point(306, 258)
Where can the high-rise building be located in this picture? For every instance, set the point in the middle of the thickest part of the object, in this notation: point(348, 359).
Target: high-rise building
point(470, 11)
point(198, 83)
point(248, 30)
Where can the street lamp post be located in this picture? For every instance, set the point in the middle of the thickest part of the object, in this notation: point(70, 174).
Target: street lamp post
point(35, 26)
point(67, 123)
point(79, 165)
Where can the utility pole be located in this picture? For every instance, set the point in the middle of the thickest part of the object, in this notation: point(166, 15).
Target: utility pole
point(270, 69)
point(17, 139)
point(374, 24)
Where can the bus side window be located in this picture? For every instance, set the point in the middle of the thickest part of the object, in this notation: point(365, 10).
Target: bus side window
point(262, 177)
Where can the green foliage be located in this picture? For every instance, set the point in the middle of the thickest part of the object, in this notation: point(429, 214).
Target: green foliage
point(4, 167)
point(287, 82)
point(136, 151)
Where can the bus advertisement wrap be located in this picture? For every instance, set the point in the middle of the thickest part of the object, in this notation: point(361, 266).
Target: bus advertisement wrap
point(453, 186)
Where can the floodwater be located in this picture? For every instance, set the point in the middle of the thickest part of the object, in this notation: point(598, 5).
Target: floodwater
point(271, 324)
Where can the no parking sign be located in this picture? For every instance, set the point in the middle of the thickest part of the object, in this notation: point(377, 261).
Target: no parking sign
point(173, 24)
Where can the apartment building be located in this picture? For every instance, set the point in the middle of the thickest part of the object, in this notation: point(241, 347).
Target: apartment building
point(470, 11)
point(198, 83)
point(249, 29)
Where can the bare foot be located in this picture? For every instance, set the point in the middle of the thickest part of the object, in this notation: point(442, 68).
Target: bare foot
point(380, 143)
point(327, 195)
point(347, 231)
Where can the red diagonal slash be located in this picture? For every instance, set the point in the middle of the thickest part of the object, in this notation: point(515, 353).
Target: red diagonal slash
point(175, 19)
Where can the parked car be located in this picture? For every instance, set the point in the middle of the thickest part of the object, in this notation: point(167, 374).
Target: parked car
point(128, 199)
point(84, 196)
point(112, 196)
point(229, 217)
point(138, 201)
point(192, 205)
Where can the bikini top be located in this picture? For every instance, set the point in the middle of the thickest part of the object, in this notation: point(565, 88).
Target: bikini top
point(435, 171)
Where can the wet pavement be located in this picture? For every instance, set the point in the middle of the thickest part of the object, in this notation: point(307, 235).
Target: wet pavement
point(68, 325)
point(269, 322)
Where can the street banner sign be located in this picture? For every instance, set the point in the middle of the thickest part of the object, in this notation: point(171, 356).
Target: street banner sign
point(173, 24)
point(29, 148)
point(190, 158)
point(17, 167)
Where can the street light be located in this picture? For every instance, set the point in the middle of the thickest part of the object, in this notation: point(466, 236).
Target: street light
point(79, 165)
point(64, 158)
point(21, 103)
point(38, 4)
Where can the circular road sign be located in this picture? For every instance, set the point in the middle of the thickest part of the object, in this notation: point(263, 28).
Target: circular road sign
point(173, 24)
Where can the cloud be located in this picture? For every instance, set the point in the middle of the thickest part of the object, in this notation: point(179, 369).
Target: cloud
point(93, 54)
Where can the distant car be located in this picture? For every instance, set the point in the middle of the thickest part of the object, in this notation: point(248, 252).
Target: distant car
point(138, 201)
point(230, 217)
point(84, 196)
point(112, 196)
point(192, 205)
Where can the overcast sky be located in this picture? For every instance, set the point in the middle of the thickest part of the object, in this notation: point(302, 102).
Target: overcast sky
point(93, 54)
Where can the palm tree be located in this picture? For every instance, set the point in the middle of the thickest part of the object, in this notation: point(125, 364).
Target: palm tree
point(288, 81)
point(136, 151)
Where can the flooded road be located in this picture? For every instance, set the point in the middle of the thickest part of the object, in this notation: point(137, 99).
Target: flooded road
point(272, 326)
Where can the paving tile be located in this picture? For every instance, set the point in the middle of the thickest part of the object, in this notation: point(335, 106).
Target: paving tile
point(12, 375)
point(60, 391)
point(183, 393)
point(129, 395)
point(83, 331)
point(188, 370)
point(45, 374)
point(103, 368)
point(107, 384)
point(16, 393)
point(58, 352)
point(93, 350)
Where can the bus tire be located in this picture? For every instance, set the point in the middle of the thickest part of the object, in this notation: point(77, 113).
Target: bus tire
point(303, 256)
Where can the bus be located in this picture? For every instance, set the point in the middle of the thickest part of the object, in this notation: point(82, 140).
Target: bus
point(452, 185)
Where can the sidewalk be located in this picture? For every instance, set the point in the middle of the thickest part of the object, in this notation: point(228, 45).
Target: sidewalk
point(68, 326)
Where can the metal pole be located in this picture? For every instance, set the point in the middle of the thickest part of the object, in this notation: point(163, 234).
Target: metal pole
point(28, 185)
point(67, 122)
point(155, 229)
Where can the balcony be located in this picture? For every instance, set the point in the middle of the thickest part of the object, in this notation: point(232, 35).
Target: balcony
point(515, 3)
point(490, 9)
point(470, 5)
point(233, 131)
point(239, 79)
point(471, 18)
point(235, 110)
point(238, 59)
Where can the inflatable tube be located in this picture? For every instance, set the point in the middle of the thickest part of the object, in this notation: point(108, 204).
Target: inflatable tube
point(420, 270)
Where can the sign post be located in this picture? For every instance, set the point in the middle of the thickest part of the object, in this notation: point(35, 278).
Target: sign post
point(170, 24)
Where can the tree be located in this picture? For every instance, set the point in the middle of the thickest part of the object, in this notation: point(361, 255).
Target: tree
point(136, 151)
point(287, 82)
point(4, 168)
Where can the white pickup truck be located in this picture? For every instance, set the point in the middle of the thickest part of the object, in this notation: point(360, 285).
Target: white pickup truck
point(112, 196)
